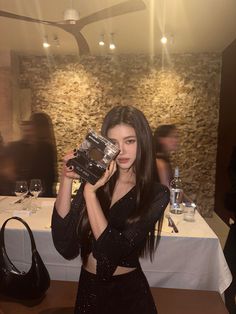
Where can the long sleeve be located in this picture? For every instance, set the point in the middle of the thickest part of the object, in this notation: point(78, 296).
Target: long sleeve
point(120, 243)
point(64, 235)
point(115, 244)
point(64, 230)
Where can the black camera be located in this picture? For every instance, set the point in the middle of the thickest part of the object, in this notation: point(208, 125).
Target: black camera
point(93, 157)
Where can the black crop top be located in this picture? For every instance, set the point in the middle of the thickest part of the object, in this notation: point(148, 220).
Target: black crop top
point(120, 243)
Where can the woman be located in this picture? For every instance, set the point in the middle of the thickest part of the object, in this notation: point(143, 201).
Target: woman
point(7, 173)
point(165, 141)
point(112, 223)
point(45, 154)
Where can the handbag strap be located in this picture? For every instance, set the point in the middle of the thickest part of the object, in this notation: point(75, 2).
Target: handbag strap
point(2, 242)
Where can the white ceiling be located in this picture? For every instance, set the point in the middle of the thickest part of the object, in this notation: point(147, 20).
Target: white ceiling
point(194, 25)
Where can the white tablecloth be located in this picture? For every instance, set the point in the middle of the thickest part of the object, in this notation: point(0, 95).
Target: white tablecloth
point(190, 259)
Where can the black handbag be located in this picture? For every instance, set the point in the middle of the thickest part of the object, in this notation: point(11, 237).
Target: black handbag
point(19, 284)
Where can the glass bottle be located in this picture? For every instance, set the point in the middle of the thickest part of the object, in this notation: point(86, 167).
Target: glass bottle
point(176, 194)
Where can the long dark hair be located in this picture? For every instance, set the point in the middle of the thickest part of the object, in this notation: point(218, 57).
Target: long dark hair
point(144, 166)
point(163, 130)
point(144, 163)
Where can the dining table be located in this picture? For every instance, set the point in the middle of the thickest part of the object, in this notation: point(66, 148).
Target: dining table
point(191, 258)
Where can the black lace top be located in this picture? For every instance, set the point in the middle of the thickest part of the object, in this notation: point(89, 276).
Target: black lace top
point(120, 243)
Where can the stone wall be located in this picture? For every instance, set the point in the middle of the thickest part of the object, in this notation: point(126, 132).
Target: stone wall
point(182, 90)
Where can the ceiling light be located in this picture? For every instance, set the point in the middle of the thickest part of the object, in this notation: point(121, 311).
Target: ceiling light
point(164, 40)
point(101, 41)
point(112, 46)
point(46, 43)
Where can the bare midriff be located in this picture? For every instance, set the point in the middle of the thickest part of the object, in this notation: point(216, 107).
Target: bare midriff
point(91, 267)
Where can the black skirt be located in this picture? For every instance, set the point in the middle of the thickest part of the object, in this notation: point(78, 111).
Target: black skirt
point(122, 294)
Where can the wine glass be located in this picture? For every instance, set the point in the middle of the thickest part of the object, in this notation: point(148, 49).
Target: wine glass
point(35, 187)
point(21, 189)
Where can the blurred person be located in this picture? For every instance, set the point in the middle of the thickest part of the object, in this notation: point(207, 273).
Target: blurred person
point(7, 173)
point(22, 152)
point(165, 141)
point(112, 223)
point(43, 127)
point(34, 155)
point(45, 159)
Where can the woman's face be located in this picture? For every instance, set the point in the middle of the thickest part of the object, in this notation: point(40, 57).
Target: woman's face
point(170, 142)
point(124, 137)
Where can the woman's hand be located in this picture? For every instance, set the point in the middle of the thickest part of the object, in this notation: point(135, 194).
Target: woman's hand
point(69, 172)
point(103, 180)
point(97, 219)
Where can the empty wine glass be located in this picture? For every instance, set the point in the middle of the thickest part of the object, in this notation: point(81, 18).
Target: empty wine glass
point(21, 189)
point(35, 189)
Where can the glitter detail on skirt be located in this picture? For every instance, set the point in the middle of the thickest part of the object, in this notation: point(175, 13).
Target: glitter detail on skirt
point(122, 294)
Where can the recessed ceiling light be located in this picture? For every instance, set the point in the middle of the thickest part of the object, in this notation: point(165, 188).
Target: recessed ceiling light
point(46, 43)
point(112, 46)
point(164, 40)
point(101, 41)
